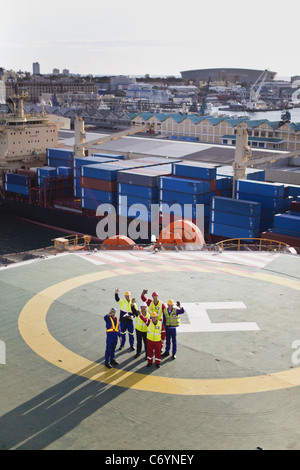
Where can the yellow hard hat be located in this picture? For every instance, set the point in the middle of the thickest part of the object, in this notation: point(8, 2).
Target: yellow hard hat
point(153, 315)
point(127, 293)
point(171, 302)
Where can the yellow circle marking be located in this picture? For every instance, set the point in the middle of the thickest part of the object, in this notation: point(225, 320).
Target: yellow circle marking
point(33, 328)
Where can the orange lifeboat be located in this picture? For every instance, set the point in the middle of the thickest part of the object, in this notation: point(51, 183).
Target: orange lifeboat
point(119, 242)
point(181, 232)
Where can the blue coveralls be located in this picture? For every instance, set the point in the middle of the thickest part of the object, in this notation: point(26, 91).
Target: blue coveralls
point(171, 331)
point(112, 334)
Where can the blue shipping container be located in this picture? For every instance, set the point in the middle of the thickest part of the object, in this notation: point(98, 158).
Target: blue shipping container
point(243, 207)
point(195, 170)
point(132, 200)
point(235, 220)
point(184, 185)
point(64, 171)
point(183, 198)
point(15, 178)
point(260, 187)
point(134, 190)
point(97, 195)
point(79, 162)
point(102, 171)
point(268, 202)
point(229, 231)
point(18, 189)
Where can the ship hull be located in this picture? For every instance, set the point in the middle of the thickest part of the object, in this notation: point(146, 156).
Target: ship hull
point(54, 218)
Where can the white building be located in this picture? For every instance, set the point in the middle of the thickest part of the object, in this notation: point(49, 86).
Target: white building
point(2, 92)
point(145, 91)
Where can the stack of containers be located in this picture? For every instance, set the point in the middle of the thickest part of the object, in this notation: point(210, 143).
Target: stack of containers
point(270, 195)
point(287, 224)
point(182, 191)
point(140, 186)
point(234, 218)
point(78, 163)
point(16, 183)
point(106, 189)
point(60, 157)
point(49, 173)
point(66, 172)
point(196, 171)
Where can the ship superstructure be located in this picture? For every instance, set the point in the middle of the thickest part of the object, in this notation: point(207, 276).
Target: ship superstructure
point(24, 138)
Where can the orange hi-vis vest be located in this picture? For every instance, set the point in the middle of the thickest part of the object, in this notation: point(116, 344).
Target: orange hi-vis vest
point(114, 327)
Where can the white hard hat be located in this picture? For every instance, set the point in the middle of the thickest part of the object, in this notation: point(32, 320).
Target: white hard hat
point(144, 304)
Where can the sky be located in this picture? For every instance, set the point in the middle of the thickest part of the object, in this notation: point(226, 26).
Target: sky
point(158, 37)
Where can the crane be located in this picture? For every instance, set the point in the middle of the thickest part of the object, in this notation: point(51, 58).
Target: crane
point(255, 90)
point(285, 114)
point(80, 135)
point(203, 105)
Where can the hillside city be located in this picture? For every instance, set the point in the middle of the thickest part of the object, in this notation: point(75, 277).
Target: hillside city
point(105, 101)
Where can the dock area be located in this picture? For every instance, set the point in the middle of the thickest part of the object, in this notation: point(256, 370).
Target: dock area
point(235, 383)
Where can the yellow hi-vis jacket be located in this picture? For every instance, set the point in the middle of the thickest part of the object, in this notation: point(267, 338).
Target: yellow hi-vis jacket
point(172, 318)
point(154, 331)
point(140, 325)
point(158, 309)
point(125, 306)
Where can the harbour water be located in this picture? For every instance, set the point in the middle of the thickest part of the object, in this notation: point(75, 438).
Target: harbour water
point(270, 115)
point(18, 235)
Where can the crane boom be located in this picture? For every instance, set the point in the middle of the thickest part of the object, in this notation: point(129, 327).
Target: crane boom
point(81, 144)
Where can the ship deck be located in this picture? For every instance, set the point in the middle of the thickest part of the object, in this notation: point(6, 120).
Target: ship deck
point(235, 382)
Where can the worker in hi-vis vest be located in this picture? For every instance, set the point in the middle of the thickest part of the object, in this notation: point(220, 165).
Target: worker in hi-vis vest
point(112, 332)
point(140, 327)
point(155, 335)
point(172, 321)
point(154, 305)
point(126, 318)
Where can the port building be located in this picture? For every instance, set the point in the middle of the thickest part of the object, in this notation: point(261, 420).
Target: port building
point(263, 134)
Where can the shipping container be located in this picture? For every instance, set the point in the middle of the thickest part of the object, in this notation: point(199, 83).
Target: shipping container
point(268, 202)
point(184, 185)
point(183, 198)
point(139, 191)
point(102, 185)
point(64, 171)
point(17, 179)
point(139, 213)
point(289, 222)
point(103, 171)
point(148, 176)
point(195, 170)
point(96, 195)
point(260, 187)
point(243, 207)
point(235, 220)
point(229, 231)
point(133, 200)
point(18, 189)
